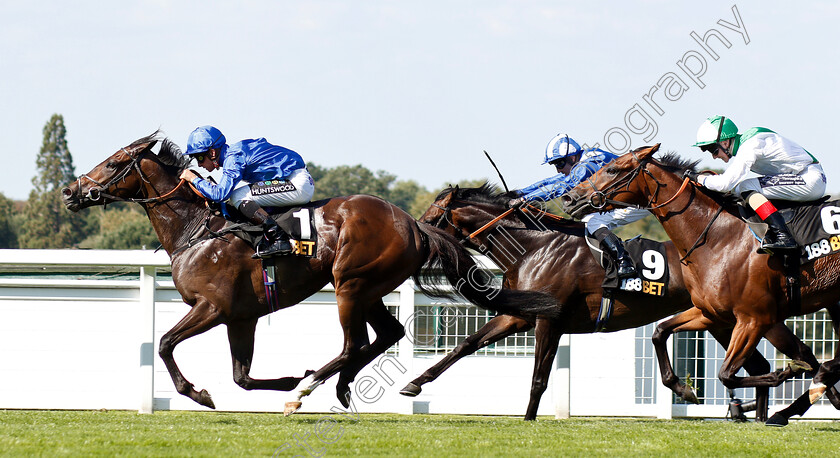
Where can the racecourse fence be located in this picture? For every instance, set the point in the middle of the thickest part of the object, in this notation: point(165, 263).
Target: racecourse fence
point(79, 330)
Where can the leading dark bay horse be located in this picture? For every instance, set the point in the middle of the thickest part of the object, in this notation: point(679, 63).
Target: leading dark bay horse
point(537, 252)
point(731, 285)
point(366, 248)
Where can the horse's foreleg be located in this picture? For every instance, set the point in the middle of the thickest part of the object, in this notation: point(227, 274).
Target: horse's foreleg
point(547, 339)
point(201, 317)
point(690, 320)
point(241, 339)
point(745, 337)
point(388, 332)
point(496, 329)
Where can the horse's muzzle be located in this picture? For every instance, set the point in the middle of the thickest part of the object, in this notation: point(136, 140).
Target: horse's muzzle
point(574, 205)
point(72, 200)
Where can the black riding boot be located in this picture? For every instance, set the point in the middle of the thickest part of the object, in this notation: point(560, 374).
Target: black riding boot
point(778, 237)
point(613, 244)
point(275, 240)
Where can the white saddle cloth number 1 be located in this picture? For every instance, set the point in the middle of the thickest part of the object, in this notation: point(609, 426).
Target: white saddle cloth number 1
point(305, 228)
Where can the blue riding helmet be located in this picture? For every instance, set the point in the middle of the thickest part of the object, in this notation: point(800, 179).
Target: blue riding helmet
point(561, 146)
point(204, 138)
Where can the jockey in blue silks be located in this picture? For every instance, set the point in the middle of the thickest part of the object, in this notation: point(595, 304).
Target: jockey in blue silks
point(574, 165)
point(255, 173)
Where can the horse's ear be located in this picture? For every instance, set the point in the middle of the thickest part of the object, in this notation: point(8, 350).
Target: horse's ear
point(153, 143)
point(646, 153)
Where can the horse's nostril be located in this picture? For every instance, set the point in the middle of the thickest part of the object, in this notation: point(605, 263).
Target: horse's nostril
point(66, 192)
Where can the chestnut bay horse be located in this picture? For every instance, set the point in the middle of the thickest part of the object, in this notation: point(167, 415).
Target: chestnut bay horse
point(367, 247)
point(731, 285)
point(546, 254)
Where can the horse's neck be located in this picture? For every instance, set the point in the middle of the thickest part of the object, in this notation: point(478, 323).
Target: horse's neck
point(177, 217)
point(697, 213)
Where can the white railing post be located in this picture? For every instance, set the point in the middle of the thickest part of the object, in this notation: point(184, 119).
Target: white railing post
point(561, 378)
point(405, 349)
point(147, 339)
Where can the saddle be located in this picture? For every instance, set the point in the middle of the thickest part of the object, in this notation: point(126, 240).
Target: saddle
point(298, 222)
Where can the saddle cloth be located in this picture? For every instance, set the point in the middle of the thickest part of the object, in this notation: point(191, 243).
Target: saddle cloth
point(651, 263)
point(815, 226)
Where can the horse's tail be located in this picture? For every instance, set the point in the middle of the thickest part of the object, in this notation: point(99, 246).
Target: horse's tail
point(449, 258)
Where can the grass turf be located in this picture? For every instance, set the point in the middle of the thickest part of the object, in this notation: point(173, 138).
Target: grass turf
point(52, 433)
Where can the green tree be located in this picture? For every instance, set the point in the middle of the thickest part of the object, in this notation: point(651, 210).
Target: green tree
point(122, 227)
point(8, 237)
point(47, 223)
point(352, 179)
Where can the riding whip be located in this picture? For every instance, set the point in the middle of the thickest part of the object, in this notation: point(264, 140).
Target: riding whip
point(497, 171)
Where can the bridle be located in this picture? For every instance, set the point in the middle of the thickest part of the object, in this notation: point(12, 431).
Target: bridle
point(98, 192)
point(599, 198)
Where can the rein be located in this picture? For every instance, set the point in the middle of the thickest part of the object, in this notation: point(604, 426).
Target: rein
point(97, 193)
point(447, 212)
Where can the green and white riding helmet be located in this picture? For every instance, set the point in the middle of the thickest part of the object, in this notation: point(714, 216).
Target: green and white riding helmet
point(714, 130)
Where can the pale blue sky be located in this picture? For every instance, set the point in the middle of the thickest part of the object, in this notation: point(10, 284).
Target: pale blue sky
point(416, 88)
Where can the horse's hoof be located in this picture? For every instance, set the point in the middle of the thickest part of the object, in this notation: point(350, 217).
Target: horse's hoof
point(689, 396)
point(291, 407)
point(411, 390)
point(205, 399)
point(777, 420)
point(799, 366)
point(344, 397)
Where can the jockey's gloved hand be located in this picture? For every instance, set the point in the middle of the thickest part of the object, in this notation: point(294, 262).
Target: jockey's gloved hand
point(516, 203)
point(691, 175)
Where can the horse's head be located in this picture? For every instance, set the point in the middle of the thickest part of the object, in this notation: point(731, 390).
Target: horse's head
point(120, 177)
point(460, 211)
point(619, 182)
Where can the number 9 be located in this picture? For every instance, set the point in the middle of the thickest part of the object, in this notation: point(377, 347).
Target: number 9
point(654, 263)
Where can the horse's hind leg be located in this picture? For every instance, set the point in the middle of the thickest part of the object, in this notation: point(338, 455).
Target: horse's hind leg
point(690, 320)
point(786, 342)
point(352, 319)
point(201, 317)
point(496, 329)
point(241, 339)
point(547, 339)
point(827, 376)
point(388, 332)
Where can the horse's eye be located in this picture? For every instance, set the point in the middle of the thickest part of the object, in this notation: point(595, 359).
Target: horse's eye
point(111, 165)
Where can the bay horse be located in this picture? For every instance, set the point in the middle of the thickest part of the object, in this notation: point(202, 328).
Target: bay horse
point(538, 252)
point(731, 285)
point(366, 248)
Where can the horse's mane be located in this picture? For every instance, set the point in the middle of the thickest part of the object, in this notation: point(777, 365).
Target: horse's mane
point(170, 154)
point(486, 193)
point(489, 194)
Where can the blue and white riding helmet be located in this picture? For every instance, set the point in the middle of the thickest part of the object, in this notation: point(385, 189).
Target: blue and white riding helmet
point(204, 138)
point(561, 146)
